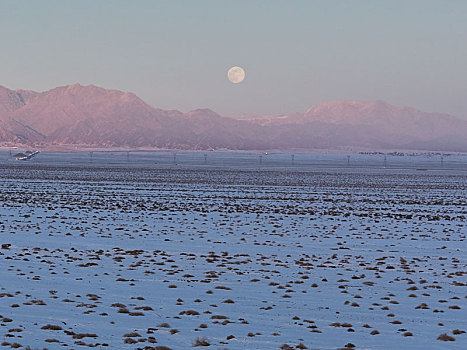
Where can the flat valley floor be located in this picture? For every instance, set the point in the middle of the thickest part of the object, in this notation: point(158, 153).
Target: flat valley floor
point(232, 257)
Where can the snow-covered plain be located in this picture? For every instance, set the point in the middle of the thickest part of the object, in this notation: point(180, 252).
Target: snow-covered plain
point(122, 253)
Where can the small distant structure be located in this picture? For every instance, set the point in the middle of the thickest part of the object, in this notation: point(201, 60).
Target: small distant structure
point(26, 155)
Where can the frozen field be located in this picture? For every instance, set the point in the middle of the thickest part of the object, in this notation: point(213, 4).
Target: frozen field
point(233, 251)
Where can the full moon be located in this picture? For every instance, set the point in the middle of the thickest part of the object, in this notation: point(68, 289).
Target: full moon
point(236, 75)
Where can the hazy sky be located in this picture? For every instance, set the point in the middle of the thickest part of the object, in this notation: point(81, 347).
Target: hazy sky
point(175, 54)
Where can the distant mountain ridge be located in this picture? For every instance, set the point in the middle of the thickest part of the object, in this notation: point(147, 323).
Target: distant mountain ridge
point(96, 117)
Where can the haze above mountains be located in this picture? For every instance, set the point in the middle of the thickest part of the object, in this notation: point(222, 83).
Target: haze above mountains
point(90, 116)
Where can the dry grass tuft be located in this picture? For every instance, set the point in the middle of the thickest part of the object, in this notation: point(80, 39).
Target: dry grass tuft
point(201, 342)
point(445, 337)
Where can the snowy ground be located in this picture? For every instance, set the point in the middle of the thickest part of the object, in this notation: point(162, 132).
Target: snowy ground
point(137, 257)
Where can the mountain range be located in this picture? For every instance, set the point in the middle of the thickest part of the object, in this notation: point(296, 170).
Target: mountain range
point(91, 116)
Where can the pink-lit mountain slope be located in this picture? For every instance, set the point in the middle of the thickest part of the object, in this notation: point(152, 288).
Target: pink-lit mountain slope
point(375, 124)
point(93, 116)
point(12, 130)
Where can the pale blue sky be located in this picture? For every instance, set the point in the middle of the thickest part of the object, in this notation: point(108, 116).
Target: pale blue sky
point(175, 54)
